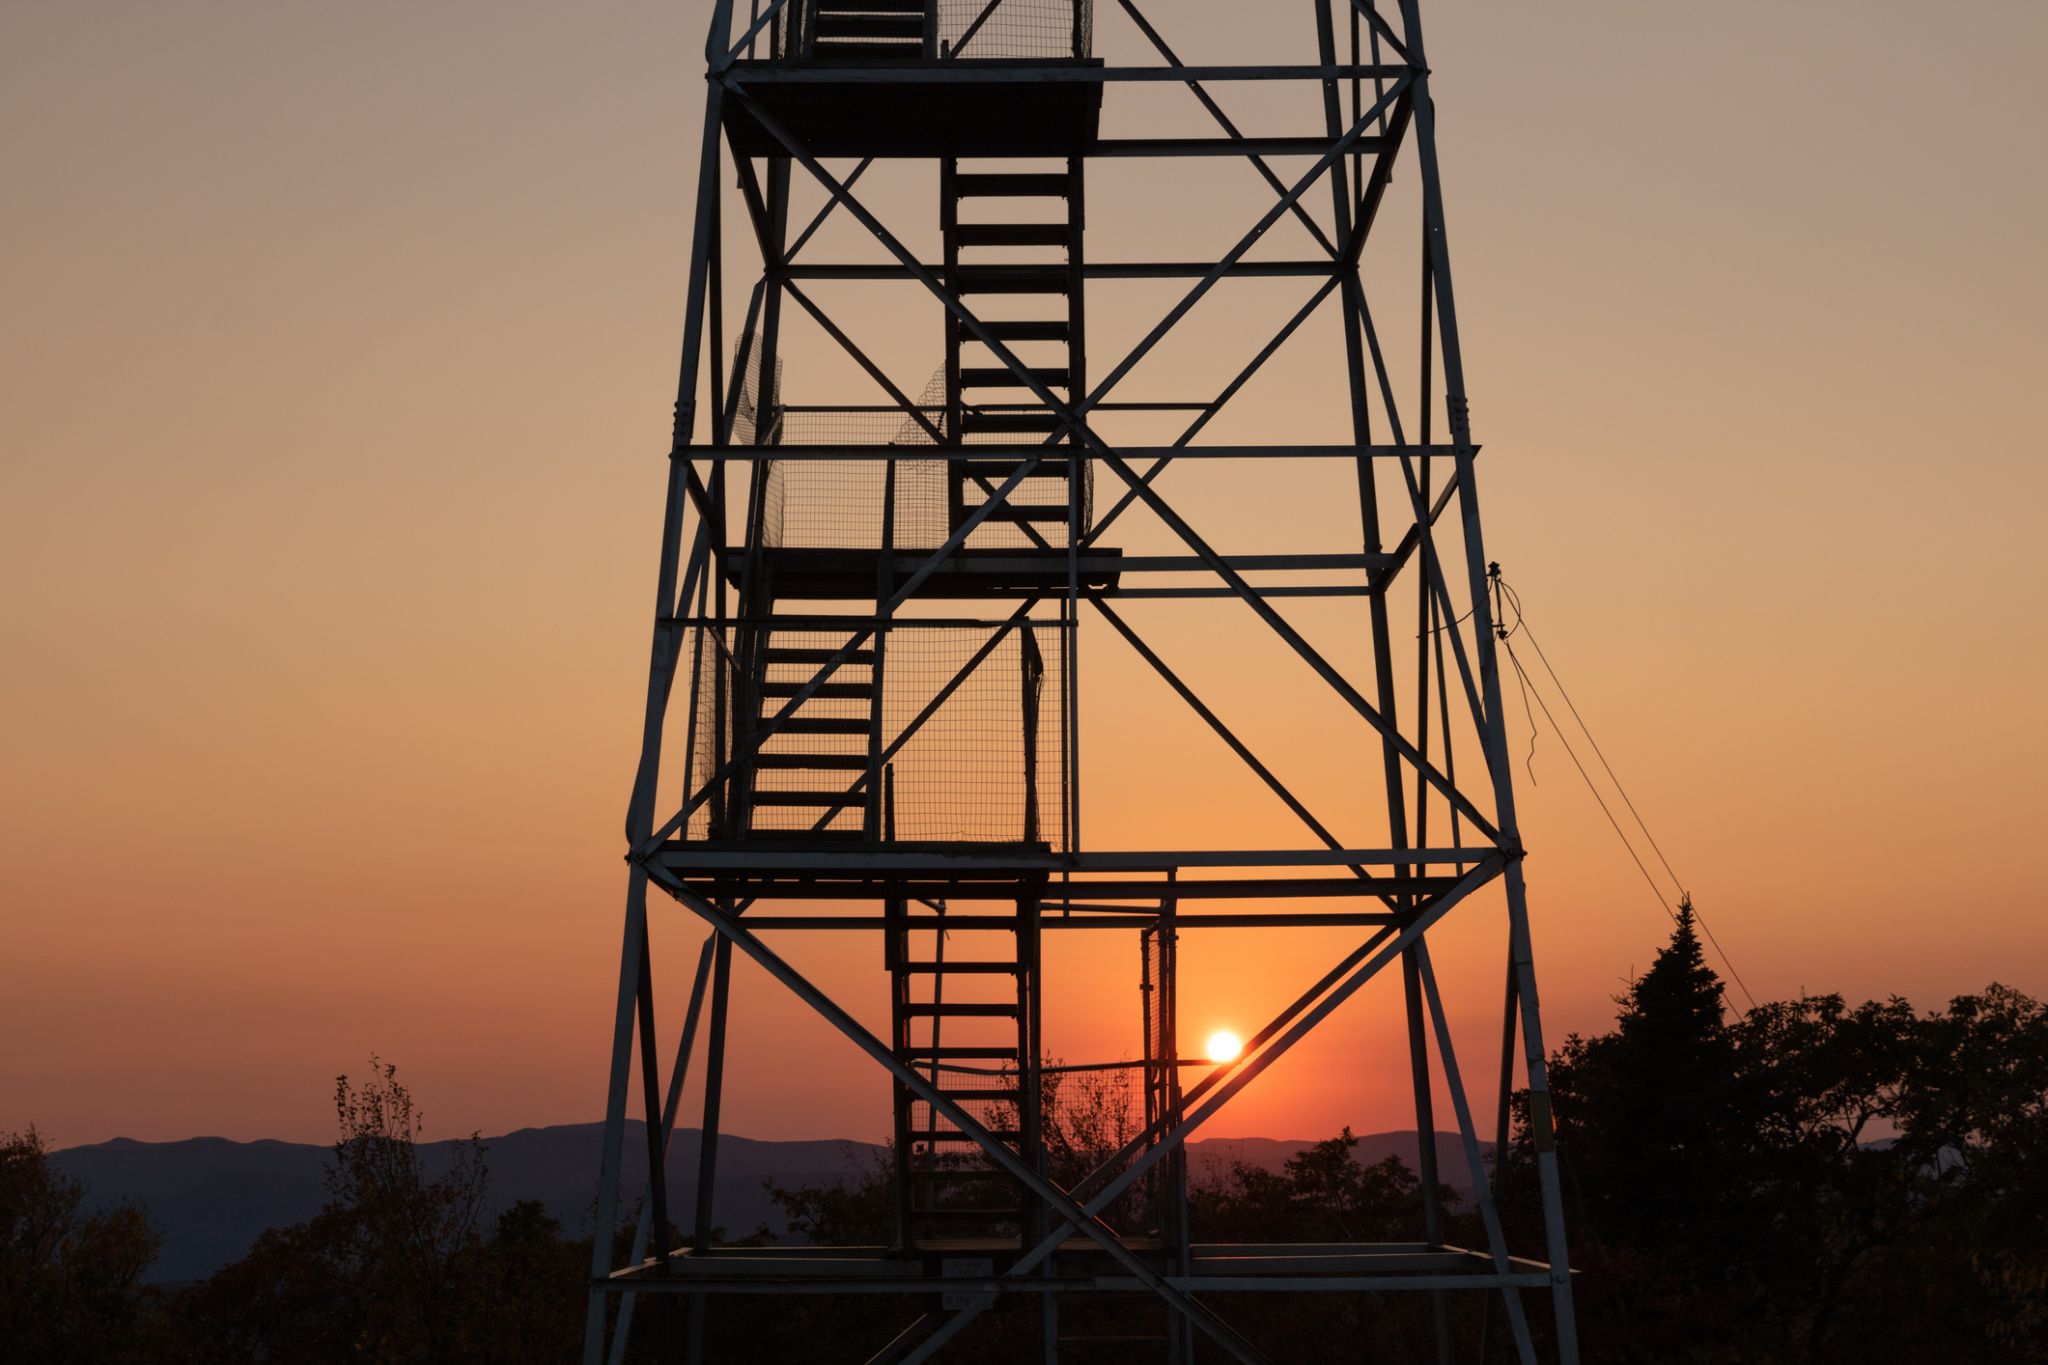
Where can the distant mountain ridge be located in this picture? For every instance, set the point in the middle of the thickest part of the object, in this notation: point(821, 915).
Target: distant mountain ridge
point(212, 1197)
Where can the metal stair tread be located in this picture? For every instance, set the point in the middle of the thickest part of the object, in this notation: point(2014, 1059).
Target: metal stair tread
point(1010, 185)
point(821, 725)
point(1012, 234)
point(816, 762)
point(1002, 376)
point(862, 690)
point(808, 798)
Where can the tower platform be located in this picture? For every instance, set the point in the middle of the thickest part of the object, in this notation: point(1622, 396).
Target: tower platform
point(827, 575)
point(823, 866)
point(951, 1265)
point(834, 109)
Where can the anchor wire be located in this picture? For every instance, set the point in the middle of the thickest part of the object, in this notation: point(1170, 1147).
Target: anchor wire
point(1505, 595)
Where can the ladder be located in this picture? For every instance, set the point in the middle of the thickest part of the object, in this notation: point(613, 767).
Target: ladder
point(1019, 239)
point(966, 1025)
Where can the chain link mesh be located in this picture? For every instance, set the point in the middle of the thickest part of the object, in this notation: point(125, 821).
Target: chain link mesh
point(1013, 29)
point(984, 767)
point(839, 504)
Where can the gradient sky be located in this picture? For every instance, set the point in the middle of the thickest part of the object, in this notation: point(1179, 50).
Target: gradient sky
point(335, 370)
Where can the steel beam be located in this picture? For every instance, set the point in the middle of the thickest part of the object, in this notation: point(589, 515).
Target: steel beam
point(1034, 73)
point(1437, 245)
point(1055, 1198)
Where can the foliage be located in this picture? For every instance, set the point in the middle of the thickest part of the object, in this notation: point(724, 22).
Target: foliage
point(857, 1212)
point(1322, 1194)
point(1812, 1182)
point(67, 1278)
point(396, 1269)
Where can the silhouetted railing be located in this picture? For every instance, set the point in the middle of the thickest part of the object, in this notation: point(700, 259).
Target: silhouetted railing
point(935, 30)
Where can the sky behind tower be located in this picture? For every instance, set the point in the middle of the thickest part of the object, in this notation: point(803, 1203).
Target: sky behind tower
point(335, 378)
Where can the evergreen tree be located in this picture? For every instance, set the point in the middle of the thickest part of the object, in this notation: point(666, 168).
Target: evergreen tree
point(1655, 1118)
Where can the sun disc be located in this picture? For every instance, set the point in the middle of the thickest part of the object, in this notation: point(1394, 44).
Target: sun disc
point(1224, 1046)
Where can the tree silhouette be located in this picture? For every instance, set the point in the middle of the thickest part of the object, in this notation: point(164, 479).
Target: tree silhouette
point(67, 1278)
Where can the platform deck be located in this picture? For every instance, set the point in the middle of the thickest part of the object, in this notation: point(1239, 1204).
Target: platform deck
point(830, 575)
point(878, 118)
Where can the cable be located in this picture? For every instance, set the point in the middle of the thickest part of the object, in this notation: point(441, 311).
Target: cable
point(1529, 761)
point(1619, 833)
point(1505, 633)
point(1521, 623)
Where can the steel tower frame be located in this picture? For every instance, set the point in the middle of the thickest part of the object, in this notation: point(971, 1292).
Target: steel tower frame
point(791, 85)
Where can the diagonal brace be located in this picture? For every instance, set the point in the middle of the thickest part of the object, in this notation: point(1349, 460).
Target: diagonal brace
point(1239, 1074)
point(914, 1081)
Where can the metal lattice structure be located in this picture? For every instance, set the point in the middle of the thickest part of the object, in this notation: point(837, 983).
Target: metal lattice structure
point(873, 609)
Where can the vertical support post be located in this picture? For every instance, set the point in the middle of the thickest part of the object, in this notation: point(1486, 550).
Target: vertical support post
point(1391, 762)
point(1180, 1237)
point(878, 818)
point(1079, 471)
point(751, 640)
point(1425, 1144)
point(896, 952)
point(1031, 684)
point(661, 675)
point(657, 1140)
point(606, 1222)
point(676, 1077)
point(1495, 737)
point(1508, 1032)
point(1507, 1082)
point(949, 238)
point(1030, 1073)
point(707, 1150)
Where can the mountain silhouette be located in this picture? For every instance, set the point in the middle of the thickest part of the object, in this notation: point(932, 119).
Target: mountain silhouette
point(211, 1197)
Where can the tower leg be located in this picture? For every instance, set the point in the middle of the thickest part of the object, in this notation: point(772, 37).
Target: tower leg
point(1393, 765)
point(1494, 732)
point(1541, 1130)
point(707, 1152)
point(606, 1224)
point(677, 1076)
point(661, 674)
point(897, 952)
point(1425, 1145)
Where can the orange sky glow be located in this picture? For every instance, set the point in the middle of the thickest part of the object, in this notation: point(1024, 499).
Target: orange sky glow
point(335, 379)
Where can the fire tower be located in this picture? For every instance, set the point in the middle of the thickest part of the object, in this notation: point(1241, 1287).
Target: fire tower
point(864, 716)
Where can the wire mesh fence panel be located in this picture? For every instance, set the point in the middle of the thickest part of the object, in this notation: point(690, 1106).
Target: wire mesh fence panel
point(986, 766)
point(1162, 1089)
point(747, 427)
point(840, 504)
point(1016, 28)
point(978, 30)
point(983, 766)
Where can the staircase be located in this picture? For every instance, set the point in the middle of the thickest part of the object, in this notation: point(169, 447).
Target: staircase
point(808, 762)
point(1013, 257)
point(963, 1023)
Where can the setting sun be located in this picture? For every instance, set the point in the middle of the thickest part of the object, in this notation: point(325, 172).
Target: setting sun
point(1224, 1046)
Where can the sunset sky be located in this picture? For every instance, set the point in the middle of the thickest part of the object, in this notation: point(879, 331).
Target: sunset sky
point(336, 363)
